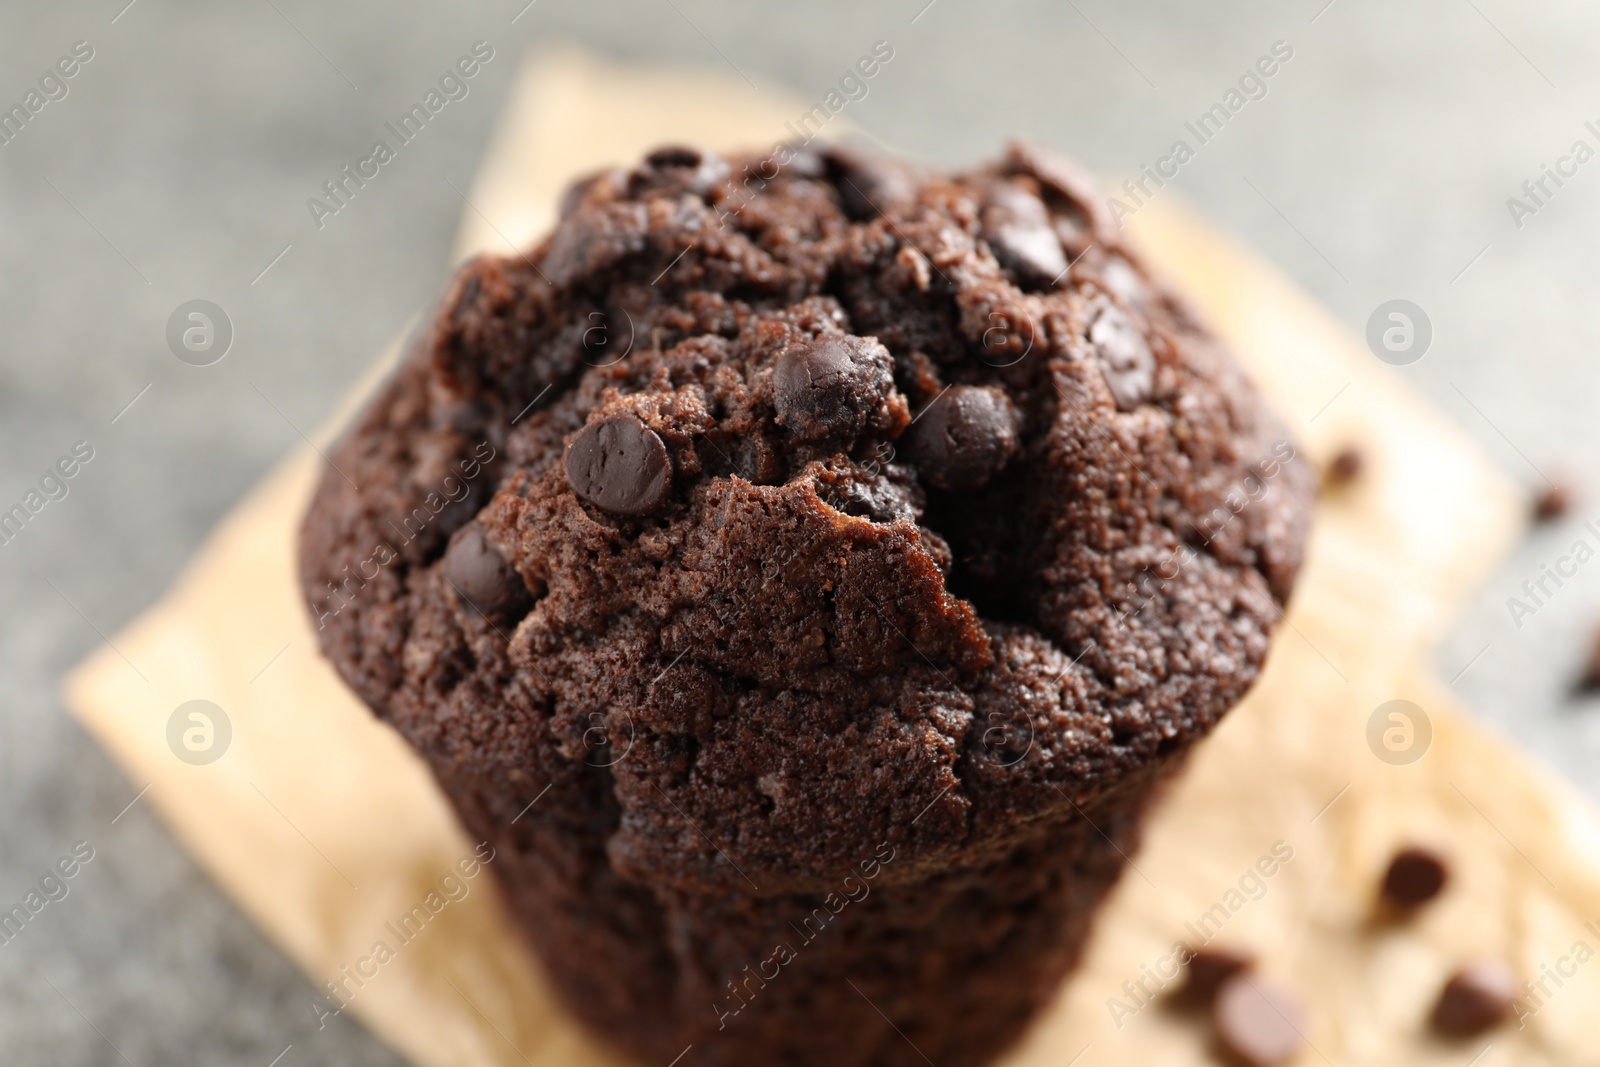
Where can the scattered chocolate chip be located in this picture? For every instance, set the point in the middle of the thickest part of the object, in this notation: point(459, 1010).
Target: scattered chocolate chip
point(964, 438)
point(1553, 503)
point(1125, 357)
point(1478, 997)
point(1259, 1025)
point(620, 465)
point(1344, 468)
point(1019, 229)
point(825, 389)
point(1208, 968)
point(481, 574)
point(1415, 876)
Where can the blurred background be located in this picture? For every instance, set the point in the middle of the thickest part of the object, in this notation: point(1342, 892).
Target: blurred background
point(176, 166)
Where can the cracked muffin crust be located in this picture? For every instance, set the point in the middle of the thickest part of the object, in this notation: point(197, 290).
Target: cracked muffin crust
point(778, 510)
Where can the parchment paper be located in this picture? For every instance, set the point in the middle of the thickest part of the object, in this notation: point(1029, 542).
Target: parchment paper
point(325, 829)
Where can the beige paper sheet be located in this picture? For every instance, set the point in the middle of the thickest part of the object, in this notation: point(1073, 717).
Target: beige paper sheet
point(323, 826)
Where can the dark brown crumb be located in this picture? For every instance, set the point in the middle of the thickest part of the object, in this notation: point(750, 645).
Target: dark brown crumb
point(781, 668)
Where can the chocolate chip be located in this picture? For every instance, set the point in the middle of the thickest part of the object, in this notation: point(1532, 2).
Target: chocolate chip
point(1022, 235)
point(1415, 876)
point(1124, 281)
point(1478, 997)
point(481, 575)
point(674, 156)
point(693, 169)
point(1072, 194)
point(803, 162)
point(874, 498)
point(1208, 968)
point(595, 239)
point(1125, 357)
point(964, 438)
point(825, 389)
point(853, 491)
point(1259, 1025)
point(870, 184)
point(620, 465)
point(1344, 468)
point(1553, 503)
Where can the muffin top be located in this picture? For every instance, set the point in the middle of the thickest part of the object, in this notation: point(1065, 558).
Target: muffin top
point(778, 506)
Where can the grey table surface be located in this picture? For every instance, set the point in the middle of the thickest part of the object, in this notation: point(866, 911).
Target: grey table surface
point(1378, 165)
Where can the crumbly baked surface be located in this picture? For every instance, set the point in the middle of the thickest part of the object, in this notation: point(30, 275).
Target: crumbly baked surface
point(836, 556)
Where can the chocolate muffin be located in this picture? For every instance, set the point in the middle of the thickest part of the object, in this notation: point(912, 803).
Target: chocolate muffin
point(804, 569)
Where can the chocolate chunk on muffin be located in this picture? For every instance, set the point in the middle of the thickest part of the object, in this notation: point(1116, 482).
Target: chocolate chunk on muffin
point(841, 570)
